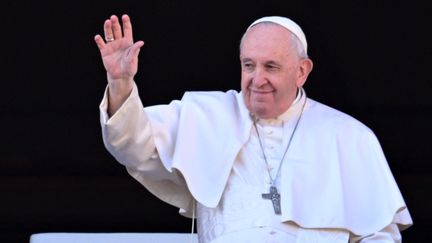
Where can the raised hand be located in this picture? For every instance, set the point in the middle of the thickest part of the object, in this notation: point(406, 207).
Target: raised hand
point(120, 58)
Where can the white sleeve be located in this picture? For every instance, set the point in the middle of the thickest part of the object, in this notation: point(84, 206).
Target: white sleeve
point(127, 135)
point(389, 234)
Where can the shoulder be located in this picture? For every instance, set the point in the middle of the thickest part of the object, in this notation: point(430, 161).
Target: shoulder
point(331, 119)
point(210, 96)
point(230, 100)
point(332, 130)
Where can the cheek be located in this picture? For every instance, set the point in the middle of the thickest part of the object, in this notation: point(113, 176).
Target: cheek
point(246, 93)
point(245, 81)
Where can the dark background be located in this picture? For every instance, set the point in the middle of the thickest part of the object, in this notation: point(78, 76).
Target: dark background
point(371, 61)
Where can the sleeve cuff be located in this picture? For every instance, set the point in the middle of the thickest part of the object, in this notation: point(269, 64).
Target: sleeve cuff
point(103, 107)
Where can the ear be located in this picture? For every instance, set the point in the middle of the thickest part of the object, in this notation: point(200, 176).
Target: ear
point(305, 68)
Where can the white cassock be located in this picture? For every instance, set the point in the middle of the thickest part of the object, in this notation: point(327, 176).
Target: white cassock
point(335, 183)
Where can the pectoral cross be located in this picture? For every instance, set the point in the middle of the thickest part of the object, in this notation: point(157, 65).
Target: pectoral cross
point(274, 196)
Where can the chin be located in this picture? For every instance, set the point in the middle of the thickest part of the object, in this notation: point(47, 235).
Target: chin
point(265, 116)
point(259, 109)
point(261, 112)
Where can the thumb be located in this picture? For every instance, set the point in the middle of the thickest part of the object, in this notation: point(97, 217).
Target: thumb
point(135, 49)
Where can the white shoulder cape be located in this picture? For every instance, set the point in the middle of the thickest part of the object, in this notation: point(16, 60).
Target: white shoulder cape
point(335, 175)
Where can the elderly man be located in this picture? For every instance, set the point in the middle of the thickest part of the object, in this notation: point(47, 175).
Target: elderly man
point(267, 164)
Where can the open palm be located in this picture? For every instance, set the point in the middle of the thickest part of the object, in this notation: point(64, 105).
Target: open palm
point(119, 53)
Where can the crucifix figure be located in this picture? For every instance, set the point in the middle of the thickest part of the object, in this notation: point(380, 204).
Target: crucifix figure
point(274, 196)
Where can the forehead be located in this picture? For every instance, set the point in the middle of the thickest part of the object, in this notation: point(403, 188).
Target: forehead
point(267, 38)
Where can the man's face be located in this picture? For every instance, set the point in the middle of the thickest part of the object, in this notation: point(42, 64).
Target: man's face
point(271, 70)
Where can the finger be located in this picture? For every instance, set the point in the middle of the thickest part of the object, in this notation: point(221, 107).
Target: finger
point(116, 28)
point(99, 42)
point(109, 36)
point(127, 27)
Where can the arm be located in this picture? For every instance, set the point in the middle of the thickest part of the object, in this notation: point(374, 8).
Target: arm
point(126, 126)
point(126, 129)
point(389, 234)
point(120, 58)
point(128, 135)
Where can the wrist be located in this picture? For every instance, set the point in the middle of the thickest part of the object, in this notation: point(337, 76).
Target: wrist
point(118, 93)
point(120, 88)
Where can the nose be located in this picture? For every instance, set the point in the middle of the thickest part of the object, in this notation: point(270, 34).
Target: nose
point(259, 77)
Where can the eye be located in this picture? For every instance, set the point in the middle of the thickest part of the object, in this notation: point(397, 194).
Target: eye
point(248, 66)
point(272, 68)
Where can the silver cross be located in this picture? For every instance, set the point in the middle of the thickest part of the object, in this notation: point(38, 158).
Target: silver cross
point(274, 196)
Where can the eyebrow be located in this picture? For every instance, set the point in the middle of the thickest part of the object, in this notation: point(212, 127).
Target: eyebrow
point(271, 62)
point(246, 59)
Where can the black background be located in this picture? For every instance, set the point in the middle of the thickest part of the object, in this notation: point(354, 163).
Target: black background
point(371, 61)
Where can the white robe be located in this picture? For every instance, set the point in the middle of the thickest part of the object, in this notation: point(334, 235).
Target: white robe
point(337, 177)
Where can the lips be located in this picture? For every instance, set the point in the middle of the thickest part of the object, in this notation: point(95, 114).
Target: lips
point(261, 91)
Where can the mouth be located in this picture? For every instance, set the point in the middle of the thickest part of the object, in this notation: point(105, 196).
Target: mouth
point(260, 91)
